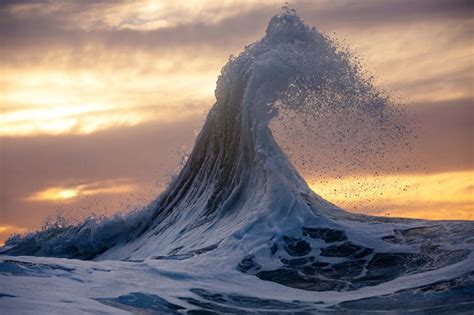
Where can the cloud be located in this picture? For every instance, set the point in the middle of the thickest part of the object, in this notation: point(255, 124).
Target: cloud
point(115, 186)
point(445, 131)
point(86, 118)
point(439, 196)
point(71, 25)
point(76, 24)
point(373, 13)
point(141, 155)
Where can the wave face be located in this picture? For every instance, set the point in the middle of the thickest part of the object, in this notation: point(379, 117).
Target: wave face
point(236, 174)
point(239, 199)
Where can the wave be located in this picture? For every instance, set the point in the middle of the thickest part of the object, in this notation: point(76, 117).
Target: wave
point(238, 197)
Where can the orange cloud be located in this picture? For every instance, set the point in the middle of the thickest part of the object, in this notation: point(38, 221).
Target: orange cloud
point(443, 196)
point(99, 65)
point(70, 192)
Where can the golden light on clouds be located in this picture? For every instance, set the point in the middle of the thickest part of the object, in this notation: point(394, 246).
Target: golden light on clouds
point(82, 102)
point(54, 193)
point(140, 15)
point(101, 82)
point(66, 193)
point(408, 62)
point(64, 89)
point(444, 196)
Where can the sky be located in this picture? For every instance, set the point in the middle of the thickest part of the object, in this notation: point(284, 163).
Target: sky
point(101, 100)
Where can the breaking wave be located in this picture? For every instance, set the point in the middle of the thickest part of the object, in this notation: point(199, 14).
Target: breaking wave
point(239, 198)
point(294, 67)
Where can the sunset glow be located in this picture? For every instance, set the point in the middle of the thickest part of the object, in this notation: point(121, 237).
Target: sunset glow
point(52, 102)
point(442, 196)
point(236, 156)
point(62, 193)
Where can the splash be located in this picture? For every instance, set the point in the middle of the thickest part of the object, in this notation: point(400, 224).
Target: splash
point(235, 151)
point(239, 213)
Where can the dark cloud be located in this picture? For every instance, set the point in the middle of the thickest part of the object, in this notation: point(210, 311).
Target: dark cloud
point(446, 135)
point(53, 28)
point(373, 13)
point(49, 31)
